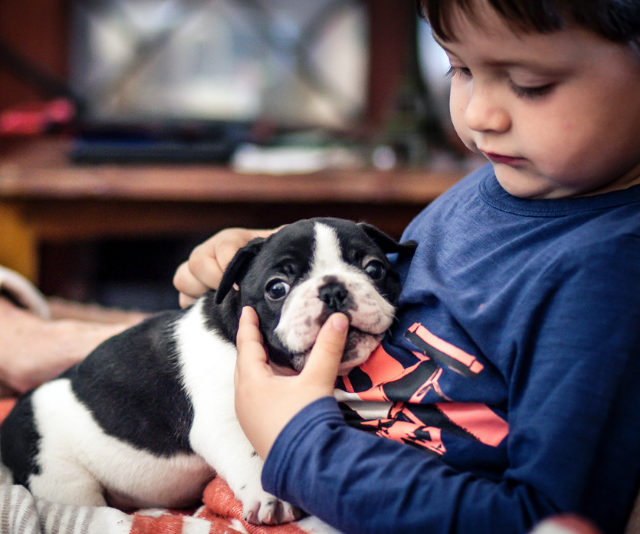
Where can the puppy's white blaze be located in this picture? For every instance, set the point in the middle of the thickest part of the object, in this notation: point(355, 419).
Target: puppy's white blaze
point(327, 255)
point(208, 366)
point(75, 453)
point(300, 318)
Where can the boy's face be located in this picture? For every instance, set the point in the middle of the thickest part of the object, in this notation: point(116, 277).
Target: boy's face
point(557, 114)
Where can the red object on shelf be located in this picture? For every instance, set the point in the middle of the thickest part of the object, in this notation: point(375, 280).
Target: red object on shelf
point(36, 118)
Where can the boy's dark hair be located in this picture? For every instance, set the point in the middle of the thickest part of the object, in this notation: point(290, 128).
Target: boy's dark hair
point(615, 20)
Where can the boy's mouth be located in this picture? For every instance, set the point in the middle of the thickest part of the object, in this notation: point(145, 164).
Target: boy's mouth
point(501, 158)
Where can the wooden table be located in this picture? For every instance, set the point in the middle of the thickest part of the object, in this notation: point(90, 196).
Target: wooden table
point(46, 199)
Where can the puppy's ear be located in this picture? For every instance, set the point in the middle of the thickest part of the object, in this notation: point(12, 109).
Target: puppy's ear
point(386, 243)
point(238, 267)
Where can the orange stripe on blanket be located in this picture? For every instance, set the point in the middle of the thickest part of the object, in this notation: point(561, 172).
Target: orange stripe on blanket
point(165, 524)
point(221, 501)
point(168, 523)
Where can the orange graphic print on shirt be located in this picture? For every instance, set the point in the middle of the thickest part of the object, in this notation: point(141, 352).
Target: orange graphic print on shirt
point(384, 397)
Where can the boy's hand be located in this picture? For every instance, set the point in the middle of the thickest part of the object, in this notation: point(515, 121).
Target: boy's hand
point(208, 261)
point(266, 402)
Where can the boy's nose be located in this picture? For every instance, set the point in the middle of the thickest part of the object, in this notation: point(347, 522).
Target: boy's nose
point(485, 114)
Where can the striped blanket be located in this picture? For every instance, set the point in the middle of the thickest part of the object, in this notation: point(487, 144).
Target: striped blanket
point(220, 513)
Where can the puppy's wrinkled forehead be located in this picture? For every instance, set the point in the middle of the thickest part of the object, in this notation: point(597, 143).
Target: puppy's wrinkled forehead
point(310, 245)
point(311, 248)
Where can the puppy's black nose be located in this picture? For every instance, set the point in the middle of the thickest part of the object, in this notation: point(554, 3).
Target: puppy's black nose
point(335, 296)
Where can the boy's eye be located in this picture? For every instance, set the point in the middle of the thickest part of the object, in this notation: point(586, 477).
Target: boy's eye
point(532, 92)
point(458, 71)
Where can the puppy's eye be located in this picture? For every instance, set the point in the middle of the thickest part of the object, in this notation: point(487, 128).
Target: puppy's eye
point(375, 269)
point(277, 289)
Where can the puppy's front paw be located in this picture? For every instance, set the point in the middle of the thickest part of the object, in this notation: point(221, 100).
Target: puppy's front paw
point(262, 508)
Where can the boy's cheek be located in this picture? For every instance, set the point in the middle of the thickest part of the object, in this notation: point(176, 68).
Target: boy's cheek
point(465, 135)
point(459, 127)
point(458, 103)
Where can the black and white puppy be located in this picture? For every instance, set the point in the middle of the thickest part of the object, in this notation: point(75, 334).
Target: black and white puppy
point(148, 418)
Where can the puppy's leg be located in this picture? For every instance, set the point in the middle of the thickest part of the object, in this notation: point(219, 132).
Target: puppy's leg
point(225, 447)
point(67, 482)
point(208, 365)
point(259, 506)
point(234, 459)
point(63, 425)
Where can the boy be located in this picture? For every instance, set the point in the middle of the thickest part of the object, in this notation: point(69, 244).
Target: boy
point(514, 363)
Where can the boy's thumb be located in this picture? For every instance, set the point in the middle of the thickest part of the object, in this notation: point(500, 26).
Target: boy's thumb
point(325, 357)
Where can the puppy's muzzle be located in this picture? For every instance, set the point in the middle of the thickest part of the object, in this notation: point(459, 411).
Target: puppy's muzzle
point(335, 295)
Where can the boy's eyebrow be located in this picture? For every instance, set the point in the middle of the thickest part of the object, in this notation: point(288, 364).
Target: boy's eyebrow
point(507, 63)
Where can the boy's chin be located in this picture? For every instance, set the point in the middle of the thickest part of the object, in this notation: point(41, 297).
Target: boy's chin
point(521, 182)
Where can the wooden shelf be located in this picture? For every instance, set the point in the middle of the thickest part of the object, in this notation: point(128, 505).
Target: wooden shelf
point(46, 199)
point(41, 170)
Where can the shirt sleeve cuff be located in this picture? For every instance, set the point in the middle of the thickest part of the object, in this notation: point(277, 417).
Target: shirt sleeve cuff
point(324, 410)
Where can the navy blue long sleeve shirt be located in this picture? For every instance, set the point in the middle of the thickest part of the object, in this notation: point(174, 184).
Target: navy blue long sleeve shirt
point(509, 386)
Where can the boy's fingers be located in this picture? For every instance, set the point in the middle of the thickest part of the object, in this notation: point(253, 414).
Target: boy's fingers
point(185, 282)
point(205, 264)
point(185, 300)
point(326, 354)
point(248, 327)
point(250, 343)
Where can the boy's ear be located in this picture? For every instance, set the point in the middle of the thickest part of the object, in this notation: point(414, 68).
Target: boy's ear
point(386, 243)
point(238, 267)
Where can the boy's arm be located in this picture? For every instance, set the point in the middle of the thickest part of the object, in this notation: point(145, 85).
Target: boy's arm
point(572, 446)
point(360, 483)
